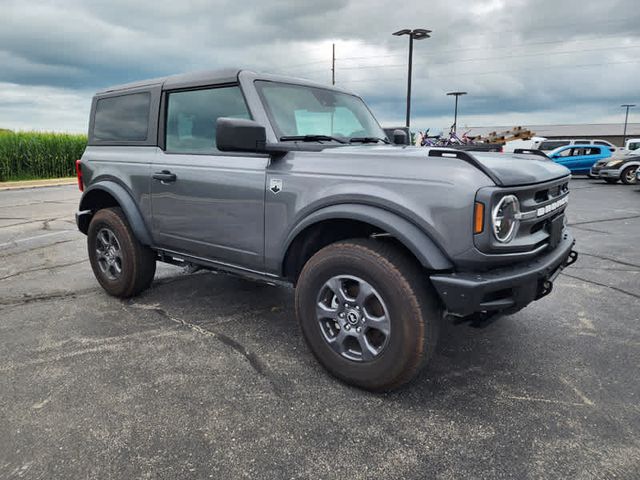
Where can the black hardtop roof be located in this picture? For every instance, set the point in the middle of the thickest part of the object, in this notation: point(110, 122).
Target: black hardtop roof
point(227, 75)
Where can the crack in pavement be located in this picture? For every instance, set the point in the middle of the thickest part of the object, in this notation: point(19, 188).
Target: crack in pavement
point(40, 269)
point(590, 229)
point(593, 282)
point(603, 220)
point(25, 299)
point(254, 361)
point(22, 252)
point(609, 259)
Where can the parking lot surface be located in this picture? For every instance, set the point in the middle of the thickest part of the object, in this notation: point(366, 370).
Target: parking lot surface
point(207, 376)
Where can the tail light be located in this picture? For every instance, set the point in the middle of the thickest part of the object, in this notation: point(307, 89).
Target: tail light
point(79, 175)
point(478, 218)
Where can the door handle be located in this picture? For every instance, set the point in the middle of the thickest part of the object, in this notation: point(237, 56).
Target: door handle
point(165, 176)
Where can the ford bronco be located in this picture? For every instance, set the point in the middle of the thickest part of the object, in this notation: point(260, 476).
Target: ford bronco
point(291, 182)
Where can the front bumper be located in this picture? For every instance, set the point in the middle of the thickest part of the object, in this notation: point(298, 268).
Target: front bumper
point(610, 173)
point(595, 171)
point(509, 288)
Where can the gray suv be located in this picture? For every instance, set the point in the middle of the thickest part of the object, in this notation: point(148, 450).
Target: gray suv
point(291, 182)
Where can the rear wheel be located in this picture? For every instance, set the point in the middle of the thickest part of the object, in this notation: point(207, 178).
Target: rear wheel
point(367, 313)
point(628, 175)
point(122, 265)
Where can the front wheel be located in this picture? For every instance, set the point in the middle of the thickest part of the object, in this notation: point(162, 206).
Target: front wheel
point(367, 313)
point(122, 265)
point(628, 175)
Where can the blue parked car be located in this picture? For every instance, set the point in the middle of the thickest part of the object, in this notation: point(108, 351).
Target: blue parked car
point(579, 158)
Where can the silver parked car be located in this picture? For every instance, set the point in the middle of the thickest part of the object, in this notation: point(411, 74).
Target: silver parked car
point(623, 169)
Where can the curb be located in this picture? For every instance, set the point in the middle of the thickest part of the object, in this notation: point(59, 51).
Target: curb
point(23, 184)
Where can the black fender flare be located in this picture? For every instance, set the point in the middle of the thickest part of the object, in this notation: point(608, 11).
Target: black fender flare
point(126, 202)
point(415, 239)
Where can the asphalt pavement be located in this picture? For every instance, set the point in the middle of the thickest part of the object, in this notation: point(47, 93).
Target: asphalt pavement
point(207, 376)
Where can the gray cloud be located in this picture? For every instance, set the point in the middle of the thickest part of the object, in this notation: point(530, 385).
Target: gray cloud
point(552, 61)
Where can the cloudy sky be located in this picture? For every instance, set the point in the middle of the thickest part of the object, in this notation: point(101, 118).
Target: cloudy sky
point(522, 61)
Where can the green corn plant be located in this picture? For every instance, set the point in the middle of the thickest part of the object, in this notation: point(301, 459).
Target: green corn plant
point(36, 155)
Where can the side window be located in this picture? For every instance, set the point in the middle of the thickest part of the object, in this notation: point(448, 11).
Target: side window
point(124, 118)
point(566, 152)
point(192, 115)
point(597, 142)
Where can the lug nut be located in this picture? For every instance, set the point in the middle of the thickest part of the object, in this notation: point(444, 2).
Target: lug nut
point(347, 327)
point(357, 307)
point(358, 329)
point(341, 315)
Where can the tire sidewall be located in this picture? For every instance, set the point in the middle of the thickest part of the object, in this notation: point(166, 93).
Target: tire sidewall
point(111, 220)
point(407, 329)
point(623, 175)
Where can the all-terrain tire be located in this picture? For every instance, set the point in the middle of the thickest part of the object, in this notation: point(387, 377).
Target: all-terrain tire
point(132, 269)
point(413, 310)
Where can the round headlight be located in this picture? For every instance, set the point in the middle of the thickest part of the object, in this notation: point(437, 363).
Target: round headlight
point(505, 218)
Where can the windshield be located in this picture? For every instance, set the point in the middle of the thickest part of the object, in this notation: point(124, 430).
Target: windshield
point(297, 110)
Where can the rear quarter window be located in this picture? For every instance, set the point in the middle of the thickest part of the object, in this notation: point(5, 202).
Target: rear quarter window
point(123, 118)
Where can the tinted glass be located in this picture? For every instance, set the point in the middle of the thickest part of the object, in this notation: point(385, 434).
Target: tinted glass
point(124, 118)
point(601, 143)
point(302, 110)
point(634, 145)
point(192, 115)
point(566, 153)
point(552, 144)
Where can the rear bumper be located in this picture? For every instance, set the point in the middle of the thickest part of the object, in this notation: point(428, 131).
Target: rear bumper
point(508, 288)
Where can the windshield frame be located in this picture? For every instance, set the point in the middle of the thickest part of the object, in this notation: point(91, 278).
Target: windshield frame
point(276, 127)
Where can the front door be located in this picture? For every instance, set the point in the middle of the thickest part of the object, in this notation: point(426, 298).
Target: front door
point(204, 202)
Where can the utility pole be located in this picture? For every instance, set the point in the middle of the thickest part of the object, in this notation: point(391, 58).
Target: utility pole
point(333, 65)
point(626, 118)
point(416, 34)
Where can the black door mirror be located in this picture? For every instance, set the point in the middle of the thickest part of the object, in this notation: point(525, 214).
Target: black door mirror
point(240, 135)
point(399, 137)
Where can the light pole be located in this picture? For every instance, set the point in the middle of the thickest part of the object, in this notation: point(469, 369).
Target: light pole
point(415, 34)
point(626, 118)
point(455, 115)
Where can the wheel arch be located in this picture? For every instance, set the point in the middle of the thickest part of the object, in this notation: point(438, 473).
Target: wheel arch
point(106, 194)
point(340, 222)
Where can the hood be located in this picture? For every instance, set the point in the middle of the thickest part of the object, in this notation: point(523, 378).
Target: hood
point(520, 169)
point(505, 169)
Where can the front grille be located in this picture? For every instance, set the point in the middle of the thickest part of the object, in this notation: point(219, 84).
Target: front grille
point(539, 203)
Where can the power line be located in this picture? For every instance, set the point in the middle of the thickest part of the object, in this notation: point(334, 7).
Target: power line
point(499, 71)
point(443, 52)
point(501, 57)
point(453, 62)
point(542, 28)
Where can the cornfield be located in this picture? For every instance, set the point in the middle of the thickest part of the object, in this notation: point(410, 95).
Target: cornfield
point(33, 155)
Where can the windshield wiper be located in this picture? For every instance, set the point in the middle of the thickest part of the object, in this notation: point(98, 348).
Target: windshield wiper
point(310, 138)
point(368, 140)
